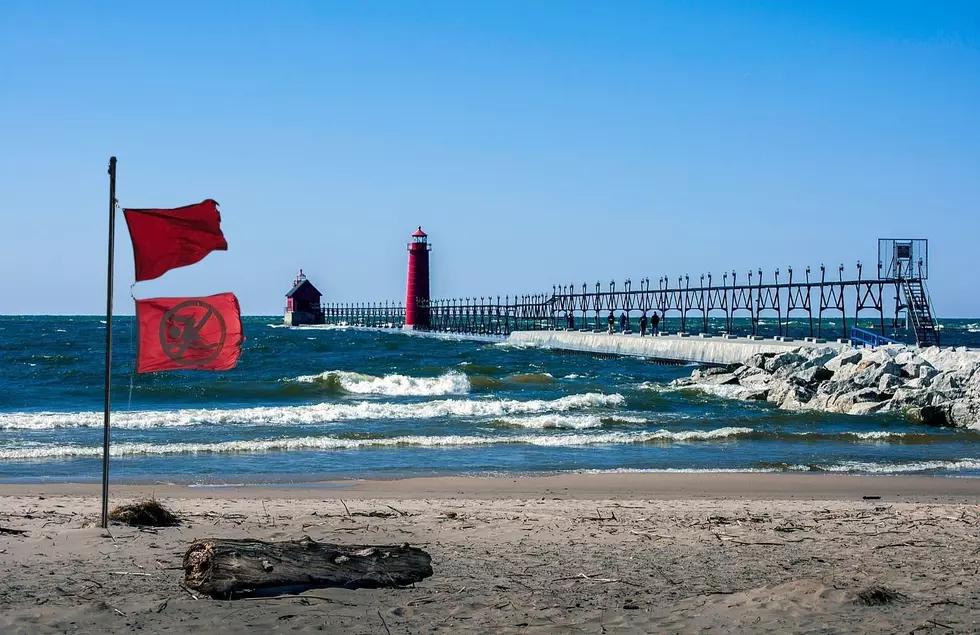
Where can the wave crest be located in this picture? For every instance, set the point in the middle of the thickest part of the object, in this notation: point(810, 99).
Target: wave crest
point(306, 415)
point(337, 443)
point(451, 383)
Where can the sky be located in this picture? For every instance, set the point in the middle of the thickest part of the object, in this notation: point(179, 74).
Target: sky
point(535, 142)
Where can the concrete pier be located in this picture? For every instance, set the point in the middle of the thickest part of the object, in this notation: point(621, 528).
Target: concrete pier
point(673, 348)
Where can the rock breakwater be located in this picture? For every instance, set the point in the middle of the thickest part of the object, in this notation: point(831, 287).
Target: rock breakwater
point(935, 386)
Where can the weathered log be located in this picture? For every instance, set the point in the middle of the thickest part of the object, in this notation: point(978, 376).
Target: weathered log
point(229, 568)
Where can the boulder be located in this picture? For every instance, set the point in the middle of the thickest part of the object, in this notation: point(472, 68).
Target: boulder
point(927, 372)
point(875, 356)
point(819, 360)
point(888, 383)
point(872, 374)
point(759, 360)
point(907, 357)
point(759, 379)
point(811, 376)
point(815, 352)
point(843, 402)
point(778, 389)
point(681, 382)
point(930, 415)
point(964, 413)
point(909, 397)
point(754, 395)
point(783, 359)
point(748, 371)
point(866, 408)
point(843, 359)
point(720, 379)
point(946, 382)
point(796, 398)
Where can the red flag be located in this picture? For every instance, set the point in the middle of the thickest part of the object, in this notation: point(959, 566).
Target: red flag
point(189, 333)
point(164, 239)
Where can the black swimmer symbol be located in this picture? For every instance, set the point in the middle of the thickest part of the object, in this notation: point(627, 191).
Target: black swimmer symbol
point(181, 333)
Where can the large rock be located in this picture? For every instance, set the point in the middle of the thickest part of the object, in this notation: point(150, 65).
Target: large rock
point(783, 359)
point(872, 374)
point(866, 408)
point(754, 394)
point(843, 359)
point(930, 415)
point(759, 360)
point(843, 402)
point(796, 398)
point(811, 376)
point(778, 389)
point(757, 379)
point(888, 383)
point(720, 379)
point(907, 357)
point(946, 382)
point(964, 413)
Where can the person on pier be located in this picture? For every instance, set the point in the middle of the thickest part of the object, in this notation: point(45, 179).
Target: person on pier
point(612, 322)
point(623, 322)
point(643, 325)
point(654, 323)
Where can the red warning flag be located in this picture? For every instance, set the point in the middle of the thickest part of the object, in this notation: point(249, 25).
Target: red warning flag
point(189, 333)
point(164, 239)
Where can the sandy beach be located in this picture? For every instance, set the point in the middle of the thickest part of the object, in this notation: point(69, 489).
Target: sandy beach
point(577, 553)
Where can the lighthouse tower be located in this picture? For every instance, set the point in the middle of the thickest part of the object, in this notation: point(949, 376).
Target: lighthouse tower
point(417, 293)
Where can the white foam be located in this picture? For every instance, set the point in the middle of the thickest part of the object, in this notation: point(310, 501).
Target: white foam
point(683, 470)
point(334, 443)
point(898, 468)
point(573, 422)
point(877, 434)
point(305, 415)
point(568, 422)
point(451, 383)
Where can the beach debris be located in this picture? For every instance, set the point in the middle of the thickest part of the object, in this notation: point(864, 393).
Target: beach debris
point(879, 596)
point(225, 568)
point(147, 512)
point(13, 532)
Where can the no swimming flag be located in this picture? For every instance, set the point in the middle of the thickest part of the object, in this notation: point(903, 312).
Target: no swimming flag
point(164, 239)
point(189, 333)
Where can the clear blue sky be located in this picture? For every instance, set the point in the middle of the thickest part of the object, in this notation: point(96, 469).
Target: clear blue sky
point(536, 142)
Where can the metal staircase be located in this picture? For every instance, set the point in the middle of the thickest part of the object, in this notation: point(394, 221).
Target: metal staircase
point(920, 312)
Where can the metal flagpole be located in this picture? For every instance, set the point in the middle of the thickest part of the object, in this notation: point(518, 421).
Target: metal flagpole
point(108, 340)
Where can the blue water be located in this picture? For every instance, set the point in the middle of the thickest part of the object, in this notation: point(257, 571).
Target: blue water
point(308, 404)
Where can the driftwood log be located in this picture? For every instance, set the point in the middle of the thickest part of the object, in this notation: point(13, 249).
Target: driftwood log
point(229, 568)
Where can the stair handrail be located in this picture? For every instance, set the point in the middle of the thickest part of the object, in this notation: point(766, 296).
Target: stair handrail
point(932, 310)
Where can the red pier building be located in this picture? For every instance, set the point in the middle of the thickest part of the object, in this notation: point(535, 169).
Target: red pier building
point(417, 294)
point(303, 303)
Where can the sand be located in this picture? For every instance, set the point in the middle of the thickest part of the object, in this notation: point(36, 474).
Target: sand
point(634, 553)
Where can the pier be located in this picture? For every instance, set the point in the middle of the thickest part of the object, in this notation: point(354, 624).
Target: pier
point(665, 348)
point(712, 319)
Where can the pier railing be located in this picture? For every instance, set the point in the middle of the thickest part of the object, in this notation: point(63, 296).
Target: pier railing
point(787, 305)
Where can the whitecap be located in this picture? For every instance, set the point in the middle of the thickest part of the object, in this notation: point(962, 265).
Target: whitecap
point(451, 383)
point(305, 415)
point(314, 443)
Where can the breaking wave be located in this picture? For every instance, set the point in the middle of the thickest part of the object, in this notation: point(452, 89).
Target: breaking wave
point(568, 422)
point(336, 443)
point(892, 468)
point(451, 383)
point(306, 415)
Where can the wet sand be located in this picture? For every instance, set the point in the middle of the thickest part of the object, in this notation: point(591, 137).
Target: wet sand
point(575, 553)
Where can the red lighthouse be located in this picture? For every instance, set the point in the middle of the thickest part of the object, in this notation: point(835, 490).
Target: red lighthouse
point(417, 294)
